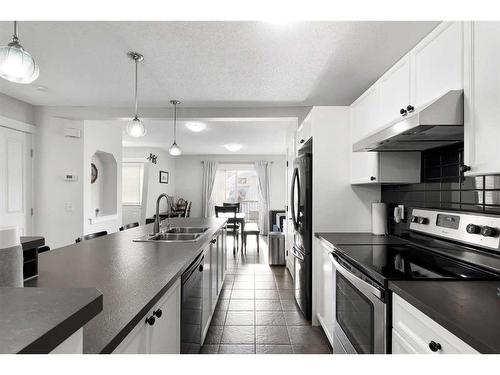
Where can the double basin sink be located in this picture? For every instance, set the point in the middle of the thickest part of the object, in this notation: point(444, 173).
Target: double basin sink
point(175, 234)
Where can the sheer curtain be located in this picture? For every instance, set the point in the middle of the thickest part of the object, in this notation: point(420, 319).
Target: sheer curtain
point(209, 172)
point(264, 174)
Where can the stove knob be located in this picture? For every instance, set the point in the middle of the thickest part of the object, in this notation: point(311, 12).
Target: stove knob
point(488, 231)
point(423, 220)
point(473, 229)
point(414, 219)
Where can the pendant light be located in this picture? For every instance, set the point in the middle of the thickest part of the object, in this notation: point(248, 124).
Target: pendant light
point(175, 150)
point(17, 65)
point(135, 128)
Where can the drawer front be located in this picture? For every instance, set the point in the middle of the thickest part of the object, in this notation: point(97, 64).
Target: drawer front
point(418, 330)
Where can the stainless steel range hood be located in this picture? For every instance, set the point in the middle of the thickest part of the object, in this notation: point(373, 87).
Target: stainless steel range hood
point(437, 124)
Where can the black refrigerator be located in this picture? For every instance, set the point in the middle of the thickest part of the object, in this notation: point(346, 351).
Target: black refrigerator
point(301, 210)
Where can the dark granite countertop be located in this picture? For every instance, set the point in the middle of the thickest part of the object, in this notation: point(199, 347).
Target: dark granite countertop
point(468, 309)
point(36, 320)
point(354, 238)
point(132, 276)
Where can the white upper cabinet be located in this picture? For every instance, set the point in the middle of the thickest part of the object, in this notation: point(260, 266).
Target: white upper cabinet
point(395, 91)
point(437, 63)
point(482, 98)
point(304, 132)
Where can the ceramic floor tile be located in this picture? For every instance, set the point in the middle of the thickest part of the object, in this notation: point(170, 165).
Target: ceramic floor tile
point(243, 294)
point(238, 335)
point(265, 285)
point(266, 294)
point(267, 305)
point(209, 349)
point(219, 318)
point(214, 335)
point(305, 335)
point(240, 318)
point(311, 349)
point(269, 318)
point(295, 318)
point(242, 304)
point(274, 349)
point(243, 285)
point(237, 349)
point(271, 335)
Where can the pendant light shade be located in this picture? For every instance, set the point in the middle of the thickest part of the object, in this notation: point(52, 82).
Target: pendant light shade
point(16, 64)
point(135, 128)
point(175, 150)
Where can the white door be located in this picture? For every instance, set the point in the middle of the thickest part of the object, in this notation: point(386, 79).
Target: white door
point(15, 180)
point(394, 89)
point(482, 98)
point(438, 63)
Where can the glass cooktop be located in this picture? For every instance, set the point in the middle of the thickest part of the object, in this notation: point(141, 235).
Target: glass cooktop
point(406, 261)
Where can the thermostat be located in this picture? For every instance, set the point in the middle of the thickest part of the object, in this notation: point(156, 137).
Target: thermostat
point(70, 177)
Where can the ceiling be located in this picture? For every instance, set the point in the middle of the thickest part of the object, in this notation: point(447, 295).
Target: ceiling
point(219, 64)
point(256, 137)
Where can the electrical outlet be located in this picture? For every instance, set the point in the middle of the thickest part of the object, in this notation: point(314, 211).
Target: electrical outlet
point(68, 207)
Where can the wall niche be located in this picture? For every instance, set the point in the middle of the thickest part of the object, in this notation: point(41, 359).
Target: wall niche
point(103, 188)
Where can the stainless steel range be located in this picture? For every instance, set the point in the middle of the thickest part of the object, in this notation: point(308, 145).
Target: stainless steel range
point(440, 245)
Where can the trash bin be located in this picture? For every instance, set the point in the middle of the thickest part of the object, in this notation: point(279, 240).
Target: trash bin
point(276, 255)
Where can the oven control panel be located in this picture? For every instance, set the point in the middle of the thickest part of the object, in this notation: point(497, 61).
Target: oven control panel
point(470, 228)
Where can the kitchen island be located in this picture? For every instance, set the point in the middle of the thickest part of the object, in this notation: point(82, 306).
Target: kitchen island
point(132, 276)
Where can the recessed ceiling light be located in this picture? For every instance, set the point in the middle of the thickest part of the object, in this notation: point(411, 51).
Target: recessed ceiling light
point(196, 126)
point(41, 88)
point(233, 147)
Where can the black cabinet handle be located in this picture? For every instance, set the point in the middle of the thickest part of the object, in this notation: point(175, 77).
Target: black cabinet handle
point(373, 178)
point(464, 168)
point(403, 112)
point(410, 108)
point(214, 240)
point(434, 346)
point(200, 268)
point(158, 313)
point(302, 140)
point(150, 320)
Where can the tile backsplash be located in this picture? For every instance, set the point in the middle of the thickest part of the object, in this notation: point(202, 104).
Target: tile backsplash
point(444, 187)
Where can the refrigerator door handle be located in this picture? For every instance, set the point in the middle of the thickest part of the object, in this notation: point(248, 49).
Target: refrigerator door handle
point(292, 198)
point(297, 254)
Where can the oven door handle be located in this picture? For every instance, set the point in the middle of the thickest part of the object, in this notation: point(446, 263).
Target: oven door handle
point(296, 254)
point(356, 281)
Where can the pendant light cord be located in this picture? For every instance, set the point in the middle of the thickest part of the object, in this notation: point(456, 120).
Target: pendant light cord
point(136, 62)
point(175, 122)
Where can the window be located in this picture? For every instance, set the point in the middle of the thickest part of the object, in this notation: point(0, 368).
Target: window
point(238, 183)
point(132, 178)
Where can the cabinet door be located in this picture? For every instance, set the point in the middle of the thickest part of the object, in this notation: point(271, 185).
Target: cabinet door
point(165, 334)
point(394, 89)
point(482, 98)
point(136, 341)
point(364, 120)
point(207, 301)
point(438, 63)
point(220, 261)
point(326, 293)
point(213, 276)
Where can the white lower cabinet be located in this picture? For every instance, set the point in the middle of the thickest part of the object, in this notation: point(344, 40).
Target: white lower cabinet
point(162, 337)
point(414, 332)
point(207, 302)
point(326, 292)
point(72, 345)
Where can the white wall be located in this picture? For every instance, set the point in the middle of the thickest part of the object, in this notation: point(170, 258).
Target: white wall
point(58, 203)
point(153, 186)
point(104, 137)
point(189, 176)
point(16, 109)
point(337, 206)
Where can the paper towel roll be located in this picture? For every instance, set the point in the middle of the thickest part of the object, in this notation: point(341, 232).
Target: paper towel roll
point(379, 218)
point(11, 258)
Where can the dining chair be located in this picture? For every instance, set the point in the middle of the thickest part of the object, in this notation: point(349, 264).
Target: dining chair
point(233, 226)
point(128, 226)
point(91, 236)
point(232, 204)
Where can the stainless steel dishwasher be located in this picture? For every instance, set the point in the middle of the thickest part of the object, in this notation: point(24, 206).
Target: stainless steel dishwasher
point(192, 306)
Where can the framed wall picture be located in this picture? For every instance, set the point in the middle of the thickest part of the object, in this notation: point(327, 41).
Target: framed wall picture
point(163, 177)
